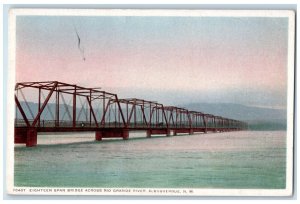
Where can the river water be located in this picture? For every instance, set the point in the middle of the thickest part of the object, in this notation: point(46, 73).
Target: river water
point(245, 159)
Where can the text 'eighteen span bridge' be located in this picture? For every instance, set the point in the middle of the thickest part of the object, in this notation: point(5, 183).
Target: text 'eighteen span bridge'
point(60, 107)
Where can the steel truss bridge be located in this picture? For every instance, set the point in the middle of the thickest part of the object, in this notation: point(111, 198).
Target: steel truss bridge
point(62, 107)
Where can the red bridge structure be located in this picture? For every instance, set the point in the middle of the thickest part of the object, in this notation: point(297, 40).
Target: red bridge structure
point(62, 107)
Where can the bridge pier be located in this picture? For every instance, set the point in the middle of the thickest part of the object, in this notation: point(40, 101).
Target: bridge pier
point(98, 135)
point(125, 134)
point(168, 132)
point(158, 132)
point(112, 133)
point(26, 136)
point(183, 130)
point(148, 133)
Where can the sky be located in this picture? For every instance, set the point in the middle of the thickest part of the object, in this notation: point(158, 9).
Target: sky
point(173, 60)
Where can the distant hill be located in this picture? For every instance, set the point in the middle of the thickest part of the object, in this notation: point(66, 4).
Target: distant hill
point(257, 118)
point(237, 111)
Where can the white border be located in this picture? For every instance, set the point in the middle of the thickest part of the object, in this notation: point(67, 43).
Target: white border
point(290, 104)
point(152, 12)
point(10, 99)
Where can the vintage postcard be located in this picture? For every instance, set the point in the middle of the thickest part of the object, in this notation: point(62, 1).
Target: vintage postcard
point(150, 102)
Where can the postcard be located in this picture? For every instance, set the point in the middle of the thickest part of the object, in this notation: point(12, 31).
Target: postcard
point(150, 102)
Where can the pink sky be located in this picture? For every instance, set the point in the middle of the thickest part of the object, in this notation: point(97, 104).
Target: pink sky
point(176, 55)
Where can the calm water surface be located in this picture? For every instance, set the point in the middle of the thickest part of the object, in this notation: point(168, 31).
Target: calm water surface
point(214, 160)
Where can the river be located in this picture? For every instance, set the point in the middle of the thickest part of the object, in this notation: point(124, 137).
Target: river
point(244, 159)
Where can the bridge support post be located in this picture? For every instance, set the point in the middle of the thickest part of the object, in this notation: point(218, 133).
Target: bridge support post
point(26, 136)
point(98, 135)
point(125, 134)
point(31, 137)
point(158, 132)
point(168, 132)
point(190, 131)
point(148, 133)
